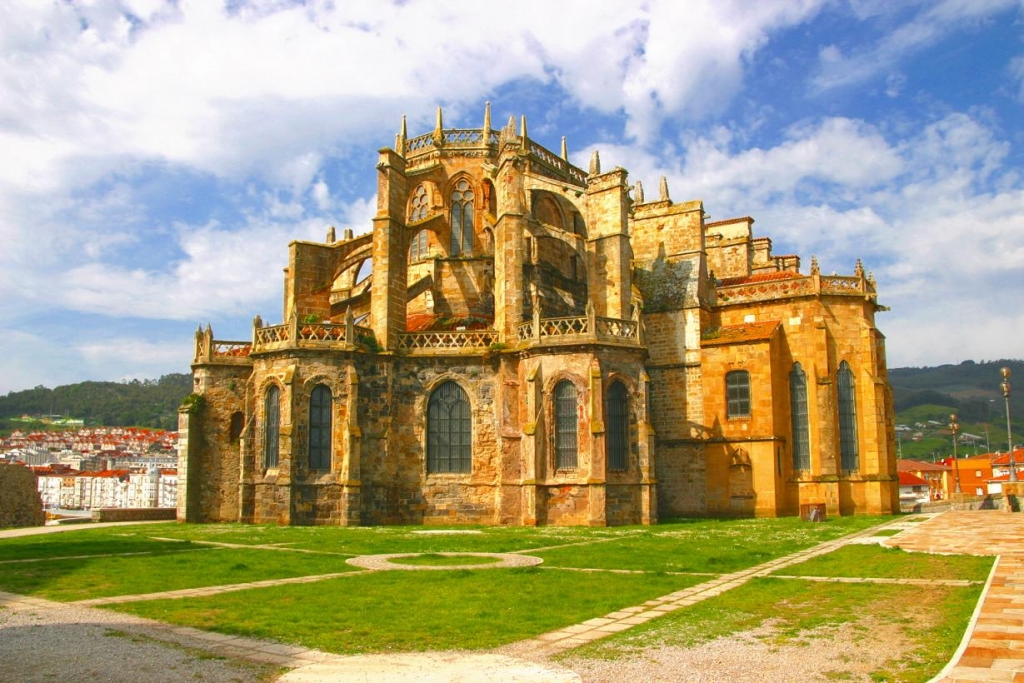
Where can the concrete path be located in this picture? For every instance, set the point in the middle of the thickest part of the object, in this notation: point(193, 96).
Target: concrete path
point(993, 650)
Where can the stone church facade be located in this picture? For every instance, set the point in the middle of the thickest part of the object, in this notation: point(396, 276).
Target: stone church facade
point(538, 344)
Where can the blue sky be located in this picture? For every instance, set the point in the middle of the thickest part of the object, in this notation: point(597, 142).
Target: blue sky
point(157, 157)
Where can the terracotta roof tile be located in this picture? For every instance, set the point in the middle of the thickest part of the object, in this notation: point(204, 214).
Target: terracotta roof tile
point(739, 334)
point(907, 465)
point(908, 479)
point(766, 276)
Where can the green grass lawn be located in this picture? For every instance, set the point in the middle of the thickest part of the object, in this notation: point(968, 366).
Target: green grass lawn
point(96, 577)
point(367, 611)
point(400, 611)
point(874, 561)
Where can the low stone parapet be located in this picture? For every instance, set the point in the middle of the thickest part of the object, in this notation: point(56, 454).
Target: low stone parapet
point(133, 514)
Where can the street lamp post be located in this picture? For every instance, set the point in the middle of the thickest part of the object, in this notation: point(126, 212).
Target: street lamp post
point(954, 427)
point(1009, 434)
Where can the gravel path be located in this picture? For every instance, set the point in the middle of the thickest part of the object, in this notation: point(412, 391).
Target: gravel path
point(826, 655)
point(69, 643)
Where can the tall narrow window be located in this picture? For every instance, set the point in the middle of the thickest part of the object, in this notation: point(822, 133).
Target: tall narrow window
point(737, 393)
point(848, 452)
point(449, 430)
point(271, 426)
point(462, 219)
point(566, 425)
point(616, 416)
point(798, 410)
point(418, 247)
point(320, 428)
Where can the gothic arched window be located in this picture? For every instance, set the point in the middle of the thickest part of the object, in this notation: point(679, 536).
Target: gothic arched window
point(418, 205)
point(848, 452)
point(320, 424)
point(737, 393)
point(449, 430)
point(798, 411)
point(462, 219)
point(616, 416)
point(418, 247)
point(271, 426)
point(566, 425)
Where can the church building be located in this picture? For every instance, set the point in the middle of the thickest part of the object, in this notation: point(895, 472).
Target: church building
point(519, 341)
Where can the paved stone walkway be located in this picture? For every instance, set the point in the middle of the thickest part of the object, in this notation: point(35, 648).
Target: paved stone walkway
point(993, 648)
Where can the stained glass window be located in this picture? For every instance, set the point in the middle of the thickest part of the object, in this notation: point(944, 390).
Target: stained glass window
point(798, 411)
point(449, 430)
point(616, 415)
point(462, 219)
point(271, 426)
point(737, 393)
point(566, 425)
point(848, 451)
point(320, 428)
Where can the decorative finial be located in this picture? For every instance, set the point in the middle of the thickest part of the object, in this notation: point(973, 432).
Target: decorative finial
point(522, 127)
point(638, 192)
point(565, 150)
point(663, 190)
point(858, 270)
point(487, 122)
point(400, 139)
point(815, 270)
point(331, 239)
point(438, 130)
point(595, 163)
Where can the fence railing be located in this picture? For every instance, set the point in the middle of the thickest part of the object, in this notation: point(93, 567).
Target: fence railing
point(448, 340)
point(580, 328)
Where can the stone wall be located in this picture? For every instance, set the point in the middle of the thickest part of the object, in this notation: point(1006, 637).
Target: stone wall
point(20, 504)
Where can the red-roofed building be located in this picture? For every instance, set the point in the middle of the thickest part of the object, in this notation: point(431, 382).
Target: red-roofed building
point(913, 489)
point(934, 473)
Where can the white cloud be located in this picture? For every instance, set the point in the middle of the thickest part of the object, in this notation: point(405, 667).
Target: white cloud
point(936, 215)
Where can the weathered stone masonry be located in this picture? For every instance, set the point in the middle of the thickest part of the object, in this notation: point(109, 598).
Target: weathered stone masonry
point(538, 344)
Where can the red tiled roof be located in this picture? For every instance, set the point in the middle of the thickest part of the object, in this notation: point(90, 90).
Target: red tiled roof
point(759, 277)
point(738, 334)
point(908, 465)
point(1004, 458)
point(419, 322)
point(726, 221)
point(908, 479)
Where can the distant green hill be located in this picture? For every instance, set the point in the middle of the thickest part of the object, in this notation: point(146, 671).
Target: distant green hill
point(146, 403)
point(971, 388)
point(926, 396)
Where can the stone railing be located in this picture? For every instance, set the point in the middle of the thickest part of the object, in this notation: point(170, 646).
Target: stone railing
point(307, 335)
point(836, 284)
point(454, 137)
point(577, 329)
point(805, 285)
point(452, 341)
point(557, 163)
point(210, 350)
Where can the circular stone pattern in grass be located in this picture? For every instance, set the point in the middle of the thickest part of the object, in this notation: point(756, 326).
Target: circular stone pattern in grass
point(439, 560)
point(427, 561)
